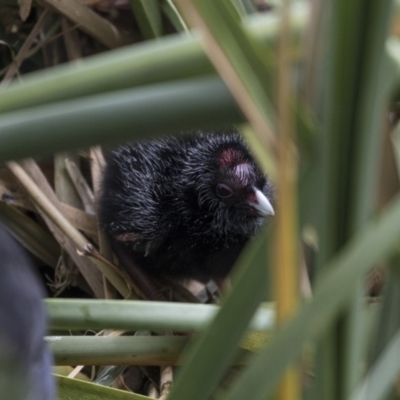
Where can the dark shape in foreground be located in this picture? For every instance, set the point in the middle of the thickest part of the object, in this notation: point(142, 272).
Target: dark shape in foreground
point(25, 362)
point(184, 207)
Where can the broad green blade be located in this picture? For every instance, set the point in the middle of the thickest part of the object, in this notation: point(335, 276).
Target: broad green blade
point(169, 59)
point(148, 16)
point(389, 318)
point(124, 350)
point(73, 389)
point(131, 114)
point(383, 375)
point(173, 15)
point(210, 355)
point(66, 314)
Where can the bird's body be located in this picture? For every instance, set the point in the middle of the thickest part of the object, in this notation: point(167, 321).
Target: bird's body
point(184, 207)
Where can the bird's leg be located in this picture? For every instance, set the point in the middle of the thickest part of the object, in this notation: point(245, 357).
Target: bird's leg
point(136, 272)
point(224, 285)
point(196, 288)
point(178, 289)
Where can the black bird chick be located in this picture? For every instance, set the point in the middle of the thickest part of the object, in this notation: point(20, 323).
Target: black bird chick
point(184, 207)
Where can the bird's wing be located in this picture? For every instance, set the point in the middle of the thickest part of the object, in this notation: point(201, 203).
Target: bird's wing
point(138, 194)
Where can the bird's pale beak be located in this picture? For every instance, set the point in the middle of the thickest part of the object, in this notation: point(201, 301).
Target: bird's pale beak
point(261, 204)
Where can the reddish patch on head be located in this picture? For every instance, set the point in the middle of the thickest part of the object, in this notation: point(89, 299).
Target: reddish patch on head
point(229, 157)
point(235, 162)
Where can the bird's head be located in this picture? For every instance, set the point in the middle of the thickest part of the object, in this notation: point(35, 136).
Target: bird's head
point(239, 183)
point(229, 187)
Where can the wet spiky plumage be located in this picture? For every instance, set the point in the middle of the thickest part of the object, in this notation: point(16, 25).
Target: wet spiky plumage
point(181, 205)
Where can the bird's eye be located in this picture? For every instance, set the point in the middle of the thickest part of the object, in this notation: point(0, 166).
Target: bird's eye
point(224, 191)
